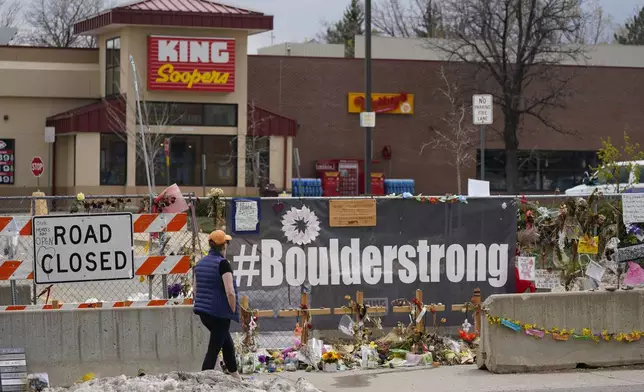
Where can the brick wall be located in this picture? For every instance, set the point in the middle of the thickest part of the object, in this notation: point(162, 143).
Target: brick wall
point(603, 102)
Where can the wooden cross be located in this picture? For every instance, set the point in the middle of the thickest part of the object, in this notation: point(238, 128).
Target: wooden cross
point(305, 313)
point(420, 324)
point(475, 306)
point(360, 302)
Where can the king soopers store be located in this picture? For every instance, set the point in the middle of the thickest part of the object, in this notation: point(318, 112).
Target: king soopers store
point(76, 109)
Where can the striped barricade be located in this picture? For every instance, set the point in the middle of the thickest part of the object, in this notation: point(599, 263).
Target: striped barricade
point(141, 223)
point(99, 305)
point(143, 266)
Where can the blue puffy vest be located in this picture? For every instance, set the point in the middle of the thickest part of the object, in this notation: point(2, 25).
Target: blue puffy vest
point(210, 298)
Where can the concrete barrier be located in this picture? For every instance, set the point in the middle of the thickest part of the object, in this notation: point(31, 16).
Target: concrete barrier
point(503, 350)
point(109, 342)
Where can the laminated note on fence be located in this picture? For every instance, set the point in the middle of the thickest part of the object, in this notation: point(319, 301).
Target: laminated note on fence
point(246, 216)
point(633, 208)
point(595, 271)
point(352, 213)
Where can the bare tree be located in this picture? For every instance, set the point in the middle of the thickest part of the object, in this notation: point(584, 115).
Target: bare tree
point(51, 22)
point(409, 18)
point(258, 148)
point(9, 12)
point(513, 47)
point(155, 118)
point(459, 136)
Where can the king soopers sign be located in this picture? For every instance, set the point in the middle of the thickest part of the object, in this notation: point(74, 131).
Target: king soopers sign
point(182, 63)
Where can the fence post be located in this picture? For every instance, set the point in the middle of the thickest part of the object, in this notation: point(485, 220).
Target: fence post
point(32, 201)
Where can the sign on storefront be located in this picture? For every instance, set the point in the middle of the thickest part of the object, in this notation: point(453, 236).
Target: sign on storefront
point(389, 103)
point(83, 248)
point(193, 64)
point(7, 161)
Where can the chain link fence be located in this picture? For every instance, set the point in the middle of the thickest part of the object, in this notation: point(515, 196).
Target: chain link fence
point(16, 246)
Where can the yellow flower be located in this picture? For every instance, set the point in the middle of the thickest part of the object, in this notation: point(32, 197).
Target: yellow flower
point(80, 197)
point(372, 345)
point(141, 278)
point(443, 320)
point(348, 298)
point(586, 332)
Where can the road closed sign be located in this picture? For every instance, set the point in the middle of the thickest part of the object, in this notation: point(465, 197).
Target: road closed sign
point(82, 248)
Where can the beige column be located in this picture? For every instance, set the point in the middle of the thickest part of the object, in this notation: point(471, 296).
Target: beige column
point(88, 160)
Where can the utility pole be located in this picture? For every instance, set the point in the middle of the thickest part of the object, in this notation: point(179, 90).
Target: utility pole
point(367, 74)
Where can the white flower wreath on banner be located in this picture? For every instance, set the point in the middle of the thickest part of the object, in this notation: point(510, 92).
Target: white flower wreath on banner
point(301, 226)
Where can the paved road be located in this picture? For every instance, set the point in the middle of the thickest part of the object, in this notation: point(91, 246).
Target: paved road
point(468, 378)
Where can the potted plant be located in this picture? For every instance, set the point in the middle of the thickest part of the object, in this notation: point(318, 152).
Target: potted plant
point(330, 361)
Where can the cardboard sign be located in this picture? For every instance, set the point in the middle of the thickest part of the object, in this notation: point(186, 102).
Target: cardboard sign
point(352, 213)
point(83, 248)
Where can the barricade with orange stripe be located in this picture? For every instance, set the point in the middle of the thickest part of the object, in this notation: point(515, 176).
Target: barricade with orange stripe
point(99, 305)
point(143, 265)
point(141, 223)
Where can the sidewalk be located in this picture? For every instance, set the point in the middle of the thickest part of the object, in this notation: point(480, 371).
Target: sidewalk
point(469, 378)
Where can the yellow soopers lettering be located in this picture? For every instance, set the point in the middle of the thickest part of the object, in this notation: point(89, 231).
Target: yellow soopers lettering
point(168, 74)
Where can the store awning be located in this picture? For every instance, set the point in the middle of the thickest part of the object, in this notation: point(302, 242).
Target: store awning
point(104, 116)
point(108, 115)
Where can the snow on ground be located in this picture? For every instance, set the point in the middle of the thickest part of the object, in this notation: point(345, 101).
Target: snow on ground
point(210, 381)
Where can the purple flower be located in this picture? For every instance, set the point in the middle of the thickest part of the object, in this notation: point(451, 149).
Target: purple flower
point(634, 230)
point(174, 290)
point(262, 358)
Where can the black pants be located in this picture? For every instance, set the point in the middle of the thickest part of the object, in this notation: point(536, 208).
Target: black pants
point(220, 339)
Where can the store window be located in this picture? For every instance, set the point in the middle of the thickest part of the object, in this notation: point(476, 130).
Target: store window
point(113, 159)
point(112, 66)
point(191, 114)
point(539, 170)
point(185, 168)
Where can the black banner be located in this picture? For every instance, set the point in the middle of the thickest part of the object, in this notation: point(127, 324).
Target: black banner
point(445, 249)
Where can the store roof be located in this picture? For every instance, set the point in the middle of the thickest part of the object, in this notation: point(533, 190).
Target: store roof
point(177, 13)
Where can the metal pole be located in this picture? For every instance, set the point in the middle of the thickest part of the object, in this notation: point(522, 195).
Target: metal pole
point(203, 173)
point(367, 74)
point(482, 152)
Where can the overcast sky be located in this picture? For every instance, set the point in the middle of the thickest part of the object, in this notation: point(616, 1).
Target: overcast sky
point(296, 20)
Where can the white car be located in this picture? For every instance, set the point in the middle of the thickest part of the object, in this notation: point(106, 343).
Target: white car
point(630, 179)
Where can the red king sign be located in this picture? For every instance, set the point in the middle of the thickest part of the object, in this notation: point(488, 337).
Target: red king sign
point(197, 64)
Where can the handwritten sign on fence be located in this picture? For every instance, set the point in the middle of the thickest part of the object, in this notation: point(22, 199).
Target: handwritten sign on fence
point(545, 279)
point(633, 208)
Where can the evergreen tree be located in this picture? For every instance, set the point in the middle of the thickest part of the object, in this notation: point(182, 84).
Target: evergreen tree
point(345, 30)
point(633, 31)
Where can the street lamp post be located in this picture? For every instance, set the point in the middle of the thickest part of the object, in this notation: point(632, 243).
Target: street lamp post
point(367, 66)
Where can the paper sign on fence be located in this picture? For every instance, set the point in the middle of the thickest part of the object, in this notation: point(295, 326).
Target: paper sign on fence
point(545, 279)
point(526, 267)
point(595, 271)
point(478, 188)
point(633, 208)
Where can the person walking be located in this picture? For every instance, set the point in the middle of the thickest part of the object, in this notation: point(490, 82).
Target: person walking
point(216, 302)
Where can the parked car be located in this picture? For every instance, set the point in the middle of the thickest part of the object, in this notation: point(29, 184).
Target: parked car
point(630, 179)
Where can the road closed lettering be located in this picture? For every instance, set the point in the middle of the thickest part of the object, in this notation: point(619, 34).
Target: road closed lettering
point(79, 248)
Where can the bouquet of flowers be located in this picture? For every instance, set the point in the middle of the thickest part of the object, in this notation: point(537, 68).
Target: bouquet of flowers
point(330, 357)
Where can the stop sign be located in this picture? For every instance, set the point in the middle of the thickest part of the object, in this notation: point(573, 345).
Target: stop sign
point(37, 166)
